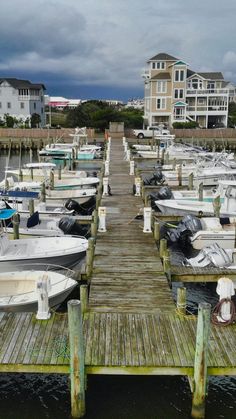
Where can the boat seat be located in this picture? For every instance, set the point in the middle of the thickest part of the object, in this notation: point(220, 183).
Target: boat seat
point(212, 224)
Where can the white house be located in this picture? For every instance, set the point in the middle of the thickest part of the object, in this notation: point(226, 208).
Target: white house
point(21, 99)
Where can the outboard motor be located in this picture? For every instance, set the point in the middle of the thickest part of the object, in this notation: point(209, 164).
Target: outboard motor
point(159, 178)
point(69, 225)
point(81, 209)
point(165, 193)
point(212, 255)
point(188, 226)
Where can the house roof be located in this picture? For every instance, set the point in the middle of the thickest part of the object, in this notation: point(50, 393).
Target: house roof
point(163, 56)
point(22, 84)
point(216, 75)
point(161, 76)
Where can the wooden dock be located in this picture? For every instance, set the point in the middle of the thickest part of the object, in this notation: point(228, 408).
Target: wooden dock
point(131, 325)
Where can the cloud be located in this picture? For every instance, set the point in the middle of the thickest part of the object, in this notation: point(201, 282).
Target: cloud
point(108, 42)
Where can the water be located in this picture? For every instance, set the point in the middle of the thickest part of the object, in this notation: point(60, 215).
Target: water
point(27, 396)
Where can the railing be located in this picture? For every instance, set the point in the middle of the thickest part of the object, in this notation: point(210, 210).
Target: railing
point(198, 92)
point(205, 108)
point(28, 97)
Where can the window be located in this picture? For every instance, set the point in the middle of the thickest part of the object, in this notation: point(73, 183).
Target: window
point(179, 75)
point(0, 104)
point(161, 103)
point(179, 93)
point(8, 105)
point(161, 87)
point(159, 65)
point(23, 92)
point(22, 105)
point(34, 105)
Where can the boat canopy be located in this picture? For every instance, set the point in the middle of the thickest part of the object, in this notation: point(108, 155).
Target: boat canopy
point(6, 213)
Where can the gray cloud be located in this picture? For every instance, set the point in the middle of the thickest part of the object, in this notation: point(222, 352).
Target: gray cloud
point(108, 42)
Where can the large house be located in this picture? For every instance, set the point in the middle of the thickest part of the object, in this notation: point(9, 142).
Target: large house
point(174, 93)
point(21, 99)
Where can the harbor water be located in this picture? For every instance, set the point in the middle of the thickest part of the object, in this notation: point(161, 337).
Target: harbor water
point(27, 396)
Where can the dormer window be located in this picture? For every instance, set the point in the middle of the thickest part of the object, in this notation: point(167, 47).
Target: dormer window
point(159, 65)
point(179, 75)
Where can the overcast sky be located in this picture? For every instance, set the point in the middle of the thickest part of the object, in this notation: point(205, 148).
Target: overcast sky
point(98, 48)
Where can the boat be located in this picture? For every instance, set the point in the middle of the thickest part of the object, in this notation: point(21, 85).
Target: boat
point(182, 206)
point(18, 289)
point(202, 232)
point(65, 251)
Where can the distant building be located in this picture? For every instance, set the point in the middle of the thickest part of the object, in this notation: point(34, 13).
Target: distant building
point(135, 103)
point(21, 99)
point(61, 103)
point(174, 93)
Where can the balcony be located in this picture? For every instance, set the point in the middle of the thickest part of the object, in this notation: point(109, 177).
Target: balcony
point(28, 97)
point(207, 109)
point(207, 92)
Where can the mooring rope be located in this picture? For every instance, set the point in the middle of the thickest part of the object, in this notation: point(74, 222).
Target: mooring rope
point(217, 318)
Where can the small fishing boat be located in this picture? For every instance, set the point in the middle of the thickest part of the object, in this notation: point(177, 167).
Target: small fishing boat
point(65, 251)
point(18, 289)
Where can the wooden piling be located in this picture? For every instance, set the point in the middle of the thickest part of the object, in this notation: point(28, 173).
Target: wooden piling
point(84, 298)
point(51, 180)
point(190, 181)
point(200, 363)
point(157, 231)
point(166, 265)
point(31, 206)
point(200, 192)
point(163, 247)
point(59, 173)
point(181, 300)
point(216, 206)
point(179, 174)
point(43, 192)
point(89, 256)
point(16, 223)
point(77, 369)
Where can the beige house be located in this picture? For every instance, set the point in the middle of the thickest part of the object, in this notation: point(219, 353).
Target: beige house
point(174, 93)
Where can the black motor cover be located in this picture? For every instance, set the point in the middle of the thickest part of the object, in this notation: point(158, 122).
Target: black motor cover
point(69, 225)
point(82, 209)
point(165, 193)
point(188, 226)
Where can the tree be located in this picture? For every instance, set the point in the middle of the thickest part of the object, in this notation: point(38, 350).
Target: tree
point(35, 120)
point(9, 120)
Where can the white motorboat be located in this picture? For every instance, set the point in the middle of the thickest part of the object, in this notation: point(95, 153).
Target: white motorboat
point(182, 206)
point(41, 172)
point(58, 184)
point(65, 251)
point(18, 289)
point(215, 230)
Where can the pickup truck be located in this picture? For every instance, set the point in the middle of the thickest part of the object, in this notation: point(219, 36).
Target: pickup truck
point(149, 132)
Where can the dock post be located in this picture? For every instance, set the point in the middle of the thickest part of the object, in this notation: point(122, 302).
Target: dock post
point(20, 175)
point(89, 256)
point(157, 232)
point(163, 247)
point(94, 224)
point(59, 173)
point(166, 265)
point(77, 368)
point(84, 298)
point(181, 300)
point(31, 173)
point(200, 192)
point(51, 180)
point(200, 363)
point(174, 163)
point(16, 222)
point(190, 182)
point(179, 174)
point(31, 206)
point(166, 161)
point(216, 206)
point(43, 192)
